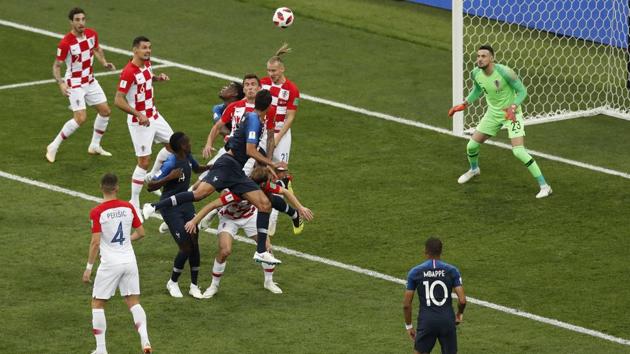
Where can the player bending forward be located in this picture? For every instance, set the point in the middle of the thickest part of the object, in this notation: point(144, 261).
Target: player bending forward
point(112, 221)
point(504, 93)
point(239, 214)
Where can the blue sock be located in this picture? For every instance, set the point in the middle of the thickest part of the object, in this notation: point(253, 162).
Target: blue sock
point(281, 205)
point(194, 261)
point(541, 180)
point(177, 199)
point(262, 224)
point(178, 265)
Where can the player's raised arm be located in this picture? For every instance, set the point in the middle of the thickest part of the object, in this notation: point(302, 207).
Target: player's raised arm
point(225, 199)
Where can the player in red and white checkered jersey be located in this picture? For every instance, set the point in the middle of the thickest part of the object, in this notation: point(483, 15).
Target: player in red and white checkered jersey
point(77, 50)
point(136, 97)
point(233, 114)
point(236, 214)
point(286, 98)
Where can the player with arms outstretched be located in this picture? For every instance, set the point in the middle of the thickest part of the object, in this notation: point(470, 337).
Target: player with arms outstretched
point(135, 96)
point(112, 221)
point(504, 94)
point(227, 172)
point(434, 281)
point(236, 214)
point(77, 50)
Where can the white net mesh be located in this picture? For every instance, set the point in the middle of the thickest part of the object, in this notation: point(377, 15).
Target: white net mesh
point(571, 55)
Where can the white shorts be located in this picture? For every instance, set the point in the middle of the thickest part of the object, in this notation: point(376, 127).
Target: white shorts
point(91, 95)
point(143, 137)
point(122, 276)
point(283, 149)
point(232, 226)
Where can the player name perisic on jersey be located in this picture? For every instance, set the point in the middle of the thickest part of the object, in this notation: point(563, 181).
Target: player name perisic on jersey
point(434, 273)
point(116, 213)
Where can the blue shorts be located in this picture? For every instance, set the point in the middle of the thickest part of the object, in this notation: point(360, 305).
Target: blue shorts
point(228, 173)
point(176, 217)
point(430, 331)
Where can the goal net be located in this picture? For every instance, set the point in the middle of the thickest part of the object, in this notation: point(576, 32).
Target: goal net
point(572, 55)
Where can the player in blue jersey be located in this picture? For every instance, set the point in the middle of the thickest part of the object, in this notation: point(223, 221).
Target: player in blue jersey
point(434, 280)
point(174, 177)
point(227, 172)
point(231, 92)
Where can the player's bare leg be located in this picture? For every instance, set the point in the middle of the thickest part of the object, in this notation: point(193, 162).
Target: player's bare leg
point(518, 149)
point(100, 126)
point(140, 321)
point(258, 199)
point(472, 150)
point(225, 250)
point(68, 129)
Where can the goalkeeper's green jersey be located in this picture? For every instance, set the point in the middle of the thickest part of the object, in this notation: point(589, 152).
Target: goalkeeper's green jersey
point(502, 88)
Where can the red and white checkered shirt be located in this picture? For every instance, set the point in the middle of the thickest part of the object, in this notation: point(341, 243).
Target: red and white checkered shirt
point(78, 53)
point(137, 84)
point(285, 96)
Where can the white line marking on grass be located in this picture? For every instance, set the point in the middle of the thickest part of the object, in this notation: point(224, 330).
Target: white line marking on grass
point(343, 106)
point(50, 81)
point(352, 268)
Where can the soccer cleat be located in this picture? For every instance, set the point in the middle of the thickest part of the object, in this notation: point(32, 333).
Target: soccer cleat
point(545, 191)
point(205, 222)
point(98, 352)
point(266, 257)
point(211, 291)
point(146, 348)
point(173, 289)
point(51, 153)
point(163, 228)
point(273, 287)
point(98, 150)
point(298, 225)
point(148, 210)
point(468, 175)
point(195, 292)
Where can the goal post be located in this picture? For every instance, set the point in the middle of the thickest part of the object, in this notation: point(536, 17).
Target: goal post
point(571, 55)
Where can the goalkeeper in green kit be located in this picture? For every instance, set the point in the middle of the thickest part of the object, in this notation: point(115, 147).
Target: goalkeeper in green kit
point(504, 93)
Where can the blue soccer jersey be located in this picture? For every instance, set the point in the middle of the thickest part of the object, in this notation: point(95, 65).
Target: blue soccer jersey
point(248, 131)
point(181, 184)
point(434, 281)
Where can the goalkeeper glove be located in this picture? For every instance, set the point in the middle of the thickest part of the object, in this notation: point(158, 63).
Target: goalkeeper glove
point(510, 113)
point(459, 107)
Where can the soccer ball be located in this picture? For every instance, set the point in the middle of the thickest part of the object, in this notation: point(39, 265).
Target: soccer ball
point(283, 17)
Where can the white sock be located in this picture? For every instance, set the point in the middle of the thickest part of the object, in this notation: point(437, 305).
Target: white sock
point(70, 127)
point(159, 160)
point(273, 220)
point(268, 270)
point(140, 320)
point(217, 271)
point(137, 182)
point(100, 126)
point(99, 326)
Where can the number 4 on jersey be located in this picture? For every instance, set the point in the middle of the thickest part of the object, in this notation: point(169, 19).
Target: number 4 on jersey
point(119, 236)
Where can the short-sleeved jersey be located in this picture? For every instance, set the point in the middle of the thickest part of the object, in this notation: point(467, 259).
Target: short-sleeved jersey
point(434, 281)
point(137, 85)
point(181, 184)
point(114, 220)
point(248, 131)
point(78, 54)
point(285, 96)
point(237, 208)
point(497, 87)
